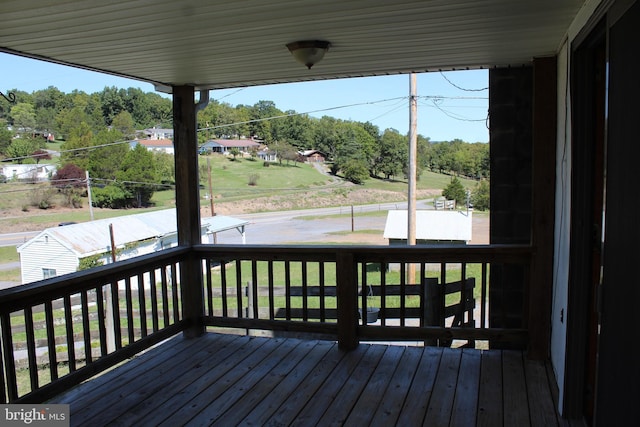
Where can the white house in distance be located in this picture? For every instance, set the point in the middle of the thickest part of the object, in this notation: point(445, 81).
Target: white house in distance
point(162, 145)
point(431, 227)
point(224, 146)
point(28, 172)
point(58, 250)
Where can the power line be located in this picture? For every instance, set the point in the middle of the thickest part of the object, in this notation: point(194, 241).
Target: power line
point(461, 88)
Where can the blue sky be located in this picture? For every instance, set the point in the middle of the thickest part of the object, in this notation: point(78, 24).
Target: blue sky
point(451, 105)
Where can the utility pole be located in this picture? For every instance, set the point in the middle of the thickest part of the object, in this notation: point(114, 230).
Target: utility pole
point(89, 195)
point(413, 152)
point(213, 212)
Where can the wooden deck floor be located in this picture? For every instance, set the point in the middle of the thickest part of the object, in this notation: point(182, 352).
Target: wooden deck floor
point(231, 380)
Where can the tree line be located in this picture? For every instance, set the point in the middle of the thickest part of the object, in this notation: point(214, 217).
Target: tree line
point(95, 129)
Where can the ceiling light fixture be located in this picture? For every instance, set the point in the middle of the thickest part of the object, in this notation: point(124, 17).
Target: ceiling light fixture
point(308, 52)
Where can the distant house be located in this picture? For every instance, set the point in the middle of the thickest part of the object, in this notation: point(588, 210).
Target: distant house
point(158, 133)
point(28, 172)
point(312, 156)
point(223, 146)
point(451, 227)
point(58, 250)
point(162, 145)
point(267, 155)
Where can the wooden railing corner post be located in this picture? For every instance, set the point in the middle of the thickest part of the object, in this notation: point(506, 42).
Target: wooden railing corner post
point(347, 301)
point(192, 296)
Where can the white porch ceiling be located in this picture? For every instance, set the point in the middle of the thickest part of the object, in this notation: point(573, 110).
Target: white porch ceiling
point(230, 43)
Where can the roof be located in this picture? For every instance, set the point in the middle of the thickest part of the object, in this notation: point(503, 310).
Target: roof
point(92, 237)
point(156, 142)
point(430, 225)
point(168, 42)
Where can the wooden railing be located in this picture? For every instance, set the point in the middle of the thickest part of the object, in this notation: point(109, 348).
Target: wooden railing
point(58, 332)
point(326, 289)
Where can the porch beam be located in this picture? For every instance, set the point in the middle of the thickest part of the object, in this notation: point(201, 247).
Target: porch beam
point(543, 205)
point(188, 205)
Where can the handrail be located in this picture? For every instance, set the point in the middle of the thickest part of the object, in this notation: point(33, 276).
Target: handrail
point(350, 264)
point(301, 288)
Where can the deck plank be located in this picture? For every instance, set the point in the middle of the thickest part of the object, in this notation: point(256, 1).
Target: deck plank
point(490, 413)
point(234, 380)
point(184, 405)
point(414, 409)
point(151, 383)
point(395, 395)
point(541, 405)
point(293, 386)
point(221, 394)
point(371, 397)
point(441, 403)
point(516, 406)
point(320, 387)
point(260, 391)
point(87, 391)
point(138, 414)
point(465, 405)
point(350, 392)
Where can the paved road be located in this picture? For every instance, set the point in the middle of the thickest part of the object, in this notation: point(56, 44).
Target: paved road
point(288, 227)
point(15, 239)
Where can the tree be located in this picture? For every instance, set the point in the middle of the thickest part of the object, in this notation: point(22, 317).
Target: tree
point(355, 171)
point(234, 151)
point(455, 191)
point(24, 117)
point(70, 180)
point(393, 157)
point(123, 123)
point(138, 176)
point(40, 155)
point(105, 161)
point(480, 195)
point(6, 137)
point(20, 149)
point(76, 148)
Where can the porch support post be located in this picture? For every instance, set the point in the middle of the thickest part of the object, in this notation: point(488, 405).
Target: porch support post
point(543, 205)
point(188, 205)
point(347, 301)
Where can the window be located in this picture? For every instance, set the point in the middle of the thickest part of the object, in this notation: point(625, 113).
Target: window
point(48, 272)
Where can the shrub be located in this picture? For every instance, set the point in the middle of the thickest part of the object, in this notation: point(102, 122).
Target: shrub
point(253, 179)
point(110, 196)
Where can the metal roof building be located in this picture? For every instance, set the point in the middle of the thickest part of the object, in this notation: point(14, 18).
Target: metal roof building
point(431, 226)
point(58, 250)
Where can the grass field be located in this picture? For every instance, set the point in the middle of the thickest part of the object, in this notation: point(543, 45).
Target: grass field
point(232, 181)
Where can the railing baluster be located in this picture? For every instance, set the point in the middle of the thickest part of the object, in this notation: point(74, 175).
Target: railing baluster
point(223, 285)
point(164, 286)
point(305, 296)
point(142, 305)
point(239, 292)
point(175, 293)
point(383, 291)
point(51, 340)
point(155, 316)
point(364, 291)
point(403, 293)
point(271, 291)
point(86, 332)
point(483, 296)
point(129, 304)
point(115, 313)
point(9, 358)
point(321, 284)
point(68, 319)
point(287, 286)
point(31, 347)
point(102, 321)
point(208, 286)
point(254, 286)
